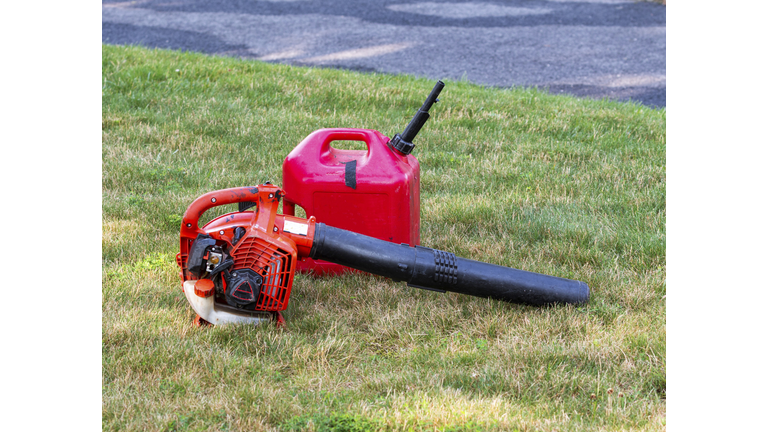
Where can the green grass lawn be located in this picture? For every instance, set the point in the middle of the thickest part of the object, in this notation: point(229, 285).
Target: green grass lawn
point(552, 184)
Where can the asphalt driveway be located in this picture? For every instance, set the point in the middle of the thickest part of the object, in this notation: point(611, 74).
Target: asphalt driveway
point(592, 48)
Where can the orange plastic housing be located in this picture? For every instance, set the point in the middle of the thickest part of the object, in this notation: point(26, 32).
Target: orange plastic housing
point(266, 248)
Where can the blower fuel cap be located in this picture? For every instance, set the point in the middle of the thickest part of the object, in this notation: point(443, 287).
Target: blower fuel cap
point(204, 288)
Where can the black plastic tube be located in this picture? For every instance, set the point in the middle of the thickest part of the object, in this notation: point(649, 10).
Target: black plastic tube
point(438, 270)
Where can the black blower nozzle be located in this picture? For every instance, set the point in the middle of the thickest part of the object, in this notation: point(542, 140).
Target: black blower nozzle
point(442, 271)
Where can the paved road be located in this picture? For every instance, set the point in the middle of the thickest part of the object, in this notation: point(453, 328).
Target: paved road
point(591, 48)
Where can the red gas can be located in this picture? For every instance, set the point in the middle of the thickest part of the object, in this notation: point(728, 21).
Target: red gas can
point(373, 192)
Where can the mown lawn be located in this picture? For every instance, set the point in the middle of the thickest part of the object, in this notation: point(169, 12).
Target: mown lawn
point(552, 184)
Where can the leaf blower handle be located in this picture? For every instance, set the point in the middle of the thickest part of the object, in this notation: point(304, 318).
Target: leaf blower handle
point(442, 271)
point(189, 222)
point(404, 142)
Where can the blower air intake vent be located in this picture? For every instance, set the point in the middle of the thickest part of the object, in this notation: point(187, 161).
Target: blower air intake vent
point(275, 267)
point(181, 260)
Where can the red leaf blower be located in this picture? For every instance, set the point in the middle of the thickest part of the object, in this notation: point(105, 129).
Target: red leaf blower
point(239, 267)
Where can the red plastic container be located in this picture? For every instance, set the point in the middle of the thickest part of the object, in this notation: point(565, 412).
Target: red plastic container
point(373, 192)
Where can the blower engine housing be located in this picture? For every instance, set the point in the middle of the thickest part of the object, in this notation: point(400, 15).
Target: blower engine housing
point(244, 261)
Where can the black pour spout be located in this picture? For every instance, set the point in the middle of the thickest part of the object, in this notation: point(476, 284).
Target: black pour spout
point(404, 142)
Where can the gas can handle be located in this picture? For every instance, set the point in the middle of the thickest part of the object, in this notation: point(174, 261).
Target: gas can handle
point(330, 135)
